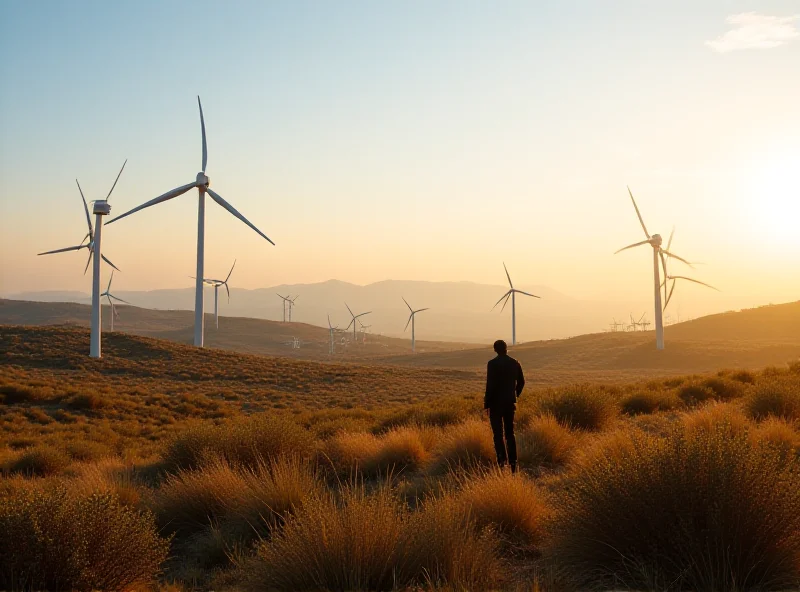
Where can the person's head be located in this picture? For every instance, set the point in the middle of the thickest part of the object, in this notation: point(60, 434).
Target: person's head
point(500, 347)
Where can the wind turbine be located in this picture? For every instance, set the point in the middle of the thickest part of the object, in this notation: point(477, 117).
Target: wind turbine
point(659, 253)
point(290, 302)
point(331, 331)
point(202, 183)
point(100, 208)
point(91, 234)
point(675, 278)
point(353, 322)
point(512, 293)
point(111, 299)
point(217, 284)
point(411, 319)
point(285, 300)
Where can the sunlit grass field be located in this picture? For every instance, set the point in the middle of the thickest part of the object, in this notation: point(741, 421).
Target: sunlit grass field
point(166, 467)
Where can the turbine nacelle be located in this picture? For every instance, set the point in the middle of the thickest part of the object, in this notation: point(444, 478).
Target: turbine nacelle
point(202, 181)
point(656, 241)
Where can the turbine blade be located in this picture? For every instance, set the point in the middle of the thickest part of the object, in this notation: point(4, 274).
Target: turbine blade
point(411, 316)
point(688, 279)
point(203, 129)
point(78, 248)
point(117, 179)
point(120, 299)
point(363, 313)
point(351, 323)
point(231, 271)
point(420, 310)
point(526, 294)
point(109, 300)
point(157, 200)
point(647, 234)
point(669, 297)
point(664, 267)
point(671, 234)
point(674, 256)
point(109, 262)
point(646, 242)
point(506, 295)
point(108, 289)
point(350, 311)
point(228, 291)
point(329, 322)
point(91, 252)
point(216, 197)
point(407, 304)
point(507, 275)
point(85, 209)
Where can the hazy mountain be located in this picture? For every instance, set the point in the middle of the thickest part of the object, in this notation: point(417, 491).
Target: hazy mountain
point(459, 311)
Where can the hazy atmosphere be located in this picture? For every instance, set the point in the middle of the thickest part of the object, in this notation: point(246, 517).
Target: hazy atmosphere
point(422, 141)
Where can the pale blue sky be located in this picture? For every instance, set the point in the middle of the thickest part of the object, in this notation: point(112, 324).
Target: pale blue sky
point(404, 140)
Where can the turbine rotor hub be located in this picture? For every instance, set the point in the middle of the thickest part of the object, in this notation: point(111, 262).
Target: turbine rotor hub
point(202, 181)
point(656, 240)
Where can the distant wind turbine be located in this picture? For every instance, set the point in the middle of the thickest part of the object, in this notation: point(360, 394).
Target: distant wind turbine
point(290, 302)
point(111, 299)
point(353, 322)
point(202, 183)
point(412, 319)
point(217, 284)
point(285, 300)
point(331, 332)
point(100, 208)
point(659, 254)
point(512, 293)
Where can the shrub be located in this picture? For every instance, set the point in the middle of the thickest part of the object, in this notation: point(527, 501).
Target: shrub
point(584, 407)
point(510, 504)
point(648, 401)
point(52, 540)
point(399, 450)
point(545, 442)
point(87, 450)
point(704, 511)
point(347, 452)
point(245, 441)
point(778, 434)
point(87, 402)
point(724, 390)
point(464, 446)
point(695, 394)
point(11, 394)
point(40, 461)
point(744, 376)
point(716, 415)
point(777, 397)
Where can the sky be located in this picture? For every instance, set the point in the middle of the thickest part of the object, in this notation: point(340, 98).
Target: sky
point(425, 140)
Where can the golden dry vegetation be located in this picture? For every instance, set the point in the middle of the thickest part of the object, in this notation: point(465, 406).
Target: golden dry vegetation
point(164, 466)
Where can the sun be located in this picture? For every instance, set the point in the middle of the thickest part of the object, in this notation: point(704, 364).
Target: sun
point(772, 202)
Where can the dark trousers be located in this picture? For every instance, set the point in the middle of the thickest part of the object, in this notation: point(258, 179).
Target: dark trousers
point(502, 420)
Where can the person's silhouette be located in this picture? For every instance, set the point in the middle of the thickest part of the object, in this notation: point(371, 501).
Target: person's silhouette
point(504, 384)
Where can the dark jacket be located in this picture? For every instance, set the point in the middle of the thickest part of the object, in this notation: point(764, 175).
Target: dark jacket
point(504, 382)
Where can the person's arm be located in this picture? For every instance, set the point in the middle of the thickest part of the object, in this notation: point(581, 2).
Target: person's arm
point(520, 380)
point(487, 393)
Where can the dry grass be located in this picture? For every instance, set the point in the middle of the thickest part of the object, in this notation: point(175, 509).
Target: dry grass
point(463, 447)
point(546, 443)
point(585, 407)
point(779, 396)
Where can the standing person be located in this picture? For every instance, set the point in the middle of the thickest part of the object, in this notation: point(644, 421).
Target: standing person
point(504, 384)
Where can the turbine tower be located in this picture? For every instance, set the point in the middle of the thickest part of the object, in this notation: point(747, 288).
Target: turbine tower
point(353, 322)
point(512, 293)
point(659, 253)
point(100, 208)
point(90, 235)
point(217, 284)
point(331, 331)
point(411, 319)
point(111, 299)
point(202, 183)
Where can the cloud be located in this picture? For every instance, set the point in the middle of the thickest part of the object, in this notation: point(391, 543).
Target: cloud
point(756, 31)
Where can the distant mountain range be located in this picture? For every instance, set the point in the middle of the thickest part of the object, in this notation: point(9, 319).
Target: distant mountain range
point(459, 311)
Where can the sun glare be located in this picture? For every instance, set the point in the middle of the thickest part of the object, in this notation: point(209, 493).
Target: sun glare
point(773, 201)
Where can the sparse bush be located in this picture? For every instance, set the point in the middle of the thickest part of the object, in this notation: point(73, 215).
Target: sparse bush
point(705, 510)
point(245, 441)
point(399, 450)
point(724, 389)
point(52, 540)
point(348, 452)
point(646, 401)
point(87, 450)
point(778, 434)
point(87, 402)
point(695, 394)
point(40, 461)
point(744, 376)
point(546, 443)
point(12, 394)
point(464, 446)
point(777, 397)
point(715, 415)
point(582, 406)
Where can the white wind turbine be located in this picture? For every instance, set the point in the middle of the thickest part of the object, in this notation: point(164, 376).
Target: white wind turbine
point(217, 284)
point(202, 183)
point(675, 278)
point(111, 299)
point(331, 332)
point(100, 208)
point(353, 322)
point(659, 253)
point(285, 300)
point(512, 293)
point(290, 302)
point(90, 236)
point(411, 319)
